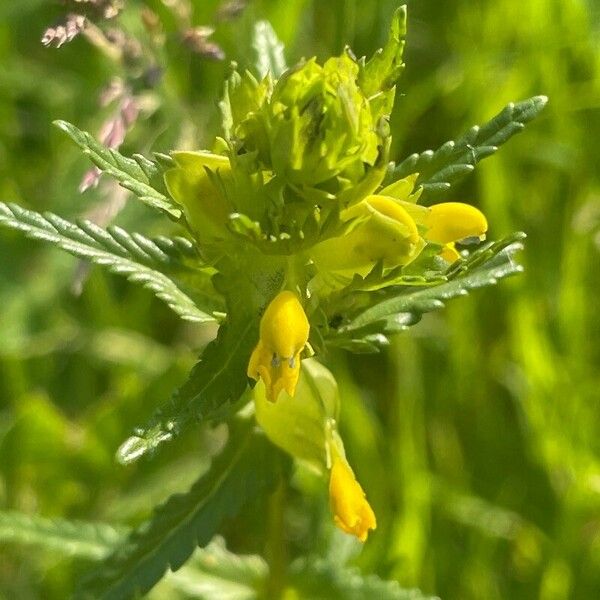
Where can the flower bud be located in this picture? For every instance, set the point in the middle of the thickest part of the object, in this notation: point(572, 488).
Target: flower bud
point(352, 513)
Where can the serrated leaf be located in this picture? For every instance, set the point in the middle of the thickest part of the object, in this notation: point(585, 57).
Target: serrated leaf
point(441, 169)
point(214, 386)
point(268, 49)
point(320, 580)
point(214, 572)
point(72, 538)
point(383, 70)
point(132, 174)
point(248, 466)
point(483, 267)
point(132, 256)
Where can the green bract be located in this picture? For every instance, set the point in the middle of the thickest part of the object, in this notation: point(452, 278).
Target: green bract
point(306, 145)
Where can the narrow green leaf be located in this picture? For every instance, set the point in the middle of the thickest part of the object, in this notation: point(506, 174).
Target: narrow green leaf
point(132, 174)
point(441, 169)
point(248, 466)
point(71, 538)
point(483, 267)
point(268, 49)
point(133, 256)
point(320, 580)
point(214, 386)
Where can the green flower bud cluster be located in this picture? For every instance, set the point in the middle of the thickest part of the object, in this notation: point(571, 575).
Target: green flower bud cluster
point(296, 151)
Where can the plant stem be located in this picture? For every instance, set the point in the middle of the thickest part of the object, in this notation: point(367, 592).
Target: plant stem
point(276, 550)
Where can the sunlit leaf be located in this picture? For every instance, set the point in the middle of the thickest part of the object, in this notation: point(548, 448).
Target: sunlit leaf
point(440, 169)
point(268, 49)
point(122, 253)
point(132, 174)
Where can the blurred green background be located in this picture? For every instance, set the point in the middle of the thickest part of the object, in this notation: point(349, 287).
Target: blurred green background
point(476, 436)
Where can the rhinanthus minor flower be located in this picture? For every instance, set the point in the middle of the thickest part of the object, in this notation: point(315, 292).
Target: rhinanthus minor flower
point(284, 332)
point(306, 428)
point(450, 222)
point(352, 512)
point(384, 231)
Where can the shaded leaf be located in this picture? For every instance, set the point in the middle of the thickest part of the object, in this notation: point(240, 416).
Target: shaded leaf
point(72, 538)
point(320, 580)
point(212, 572)
point(485, 266)
point(214, 386)
point(215, 572)
point(248, 466)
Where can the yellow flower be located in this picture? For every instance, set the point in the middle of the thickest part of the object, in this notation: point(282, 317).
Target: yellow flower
point(351, 511)
point(284, 332)
point(447, 223)
point(385, 231)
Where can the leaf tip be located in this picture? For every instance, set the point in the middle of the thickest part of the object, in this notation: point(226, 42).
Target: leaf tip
point(62, 125)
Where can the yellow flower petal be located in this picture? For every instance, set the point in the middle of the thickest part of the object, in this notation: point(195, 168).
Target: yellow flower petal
point(450, 253)
point(386, 232)
point(454, 221)
point(351, 511)
point(284, 332)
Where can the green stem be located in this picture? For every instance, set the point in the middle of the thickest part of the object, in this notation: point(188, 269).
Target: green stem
point(276, 550)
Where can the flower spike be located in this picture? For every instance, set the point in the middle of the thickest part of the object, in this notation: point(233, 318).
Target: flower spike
point(284, 330)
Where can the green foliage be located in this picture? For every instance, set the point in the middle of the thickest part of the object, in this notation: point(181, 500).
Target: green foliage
point(440, 170)
point(248, 467)
point(214, 572)
point(211, 572)
point(130, 255)
point(485, 266)
point(132, 174)
point(211, 392)
point(383, 69)
point(408, 297)
point(319, 580)
point(268, 48)
point(71, 538)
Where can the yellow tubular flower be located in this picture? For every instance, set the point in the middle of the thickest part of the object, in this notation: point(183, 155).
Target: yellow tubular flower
point(387, 232)
point(451, 222)
point(284, 332)
point(351, 511)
